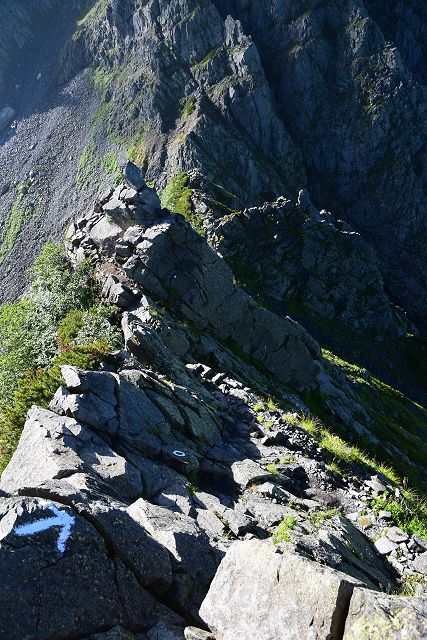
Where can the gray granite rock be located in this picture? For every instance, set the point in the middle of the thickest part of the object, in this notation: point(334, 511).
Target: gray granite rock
point(54, 447)
point(258, 592)
point(385, 546)
point(420, 564)
point(202, 290)
point(192, 633)
point(377, 615)
point(194, 560)
point(80, 586)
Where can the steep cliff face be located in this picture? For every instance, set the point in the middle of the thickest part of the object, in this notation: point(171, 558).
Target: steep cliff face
point(325, 77)
point(246, 103)
point(260, 101)
point(358, 114)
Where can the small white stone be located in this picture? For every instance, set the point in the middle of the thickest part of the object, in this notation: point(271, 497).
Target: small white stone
point(385, 546)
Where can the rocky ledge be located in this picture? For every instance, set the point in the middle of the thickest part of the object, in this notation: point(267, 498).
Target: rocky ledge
point(167, 496)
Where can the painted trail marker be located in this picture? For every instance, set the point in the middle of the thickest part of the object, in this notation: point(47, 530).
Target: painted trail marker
point(61, 519)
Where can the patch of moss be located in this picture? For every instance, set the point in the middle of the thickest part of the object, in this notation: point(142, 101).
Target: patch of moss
point(21, 211)
point(317, 518)
point(272, 468)
point(409, 586)
point(187, 106)
point(333, 467)
point(87, 166)
point(135, 148)
point(94, 14)
point(110, 166)
point(177, 197)
point(208, 57)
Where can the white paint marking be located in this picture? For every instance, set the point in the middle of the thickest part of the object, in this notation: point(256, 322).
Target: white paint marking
point(179, 454)
point(61, 519)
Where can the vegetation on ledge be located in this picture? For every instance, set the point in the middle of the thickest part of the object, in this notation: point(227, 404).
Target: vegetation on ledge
point(61, 320)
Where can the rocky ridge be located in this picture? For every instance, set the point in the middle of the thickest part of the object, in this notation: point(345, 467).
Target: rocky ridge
point(261, 93)
point(172, 489)
point(252, 108)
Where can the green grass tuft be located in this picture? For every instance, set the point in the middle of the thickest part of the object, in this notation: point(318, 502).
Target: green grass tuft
point(21, 211)
point(310, 423)
point(283, 530)
point(177, 198)
point(94, 14)
point(317, 518)
point(187, 106)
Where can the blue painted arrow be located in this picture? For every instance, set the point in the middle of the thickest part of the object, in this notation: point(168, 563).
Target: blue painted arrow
point(61, 519)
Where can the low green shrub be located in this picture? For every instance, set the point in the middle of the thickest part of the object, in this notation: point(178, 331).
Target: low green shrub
point(60, 320)
point(38, 387)
point(69, 327)
point(97, 324)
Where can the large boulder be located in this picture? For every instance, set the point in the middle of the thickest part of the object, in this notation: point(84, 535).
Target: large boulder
point(261, 593)
point(53, 447)
point(377, 615)
point(194, 560)
point(139, 411)
point(62, 583)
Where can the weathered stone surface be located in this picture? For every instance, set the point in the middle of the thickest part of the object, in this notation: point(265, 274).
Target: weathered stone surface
point(105, 234)
point(194, 560)
point(377, 615)
point(49, 593)
point(358, 558)
point(248, 472)
point(385, 546)
point(294, 256)
point(420, 563)
point(54, 447)
point(203, 289)
point(165, 631)
point(133, 176)
point(260, 593)
point(192, 633)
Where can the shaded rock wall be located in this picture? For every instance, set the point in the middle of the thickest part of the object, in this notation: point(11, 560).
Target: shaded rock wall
point(317, 96)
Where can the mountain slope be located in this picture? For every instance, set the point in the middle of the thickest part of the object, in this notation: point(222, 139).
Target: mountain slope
point(271, 100)
point(135, 502)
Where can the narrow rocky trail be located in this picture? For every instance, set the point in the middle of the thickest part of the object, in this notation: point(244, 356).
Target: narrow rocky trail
point(162, 498)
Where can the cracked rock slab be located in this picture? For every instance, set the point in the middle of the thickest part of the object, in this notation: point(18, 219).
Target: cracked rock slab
point(259, 593)
point(53, 447)
point(378, 616)
point(51, 593)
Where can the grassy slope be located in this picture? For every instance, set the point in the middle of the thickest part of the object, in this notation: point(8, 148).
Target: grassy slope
point(399, 423)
